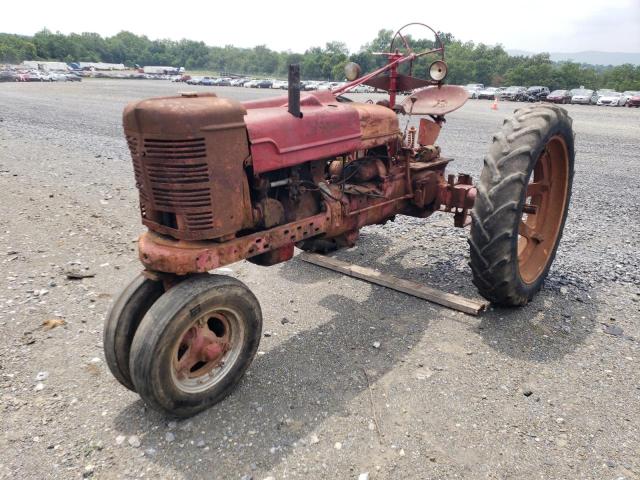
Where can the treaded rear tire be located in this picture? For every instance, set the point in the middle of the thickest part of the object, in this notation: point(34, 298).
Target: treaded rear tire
point(501, 196)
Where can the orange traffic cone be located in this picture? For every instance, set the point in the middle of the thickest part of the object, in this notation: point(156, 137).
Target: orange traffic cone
point(494, 105)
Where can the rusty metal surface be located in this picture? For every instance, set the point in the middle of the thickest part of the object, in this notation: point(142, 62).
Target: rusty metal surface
point(543, 211)
point(435, 100)
point(163, 254)
point(457, 196)
point(378, 125)
point(370, 169)
point(387, 77)
point(193, 156)
point(279, 140)
point(404, 83)
point(184, 150)
point(202, 350)
point(272, 257)
point(428, 132)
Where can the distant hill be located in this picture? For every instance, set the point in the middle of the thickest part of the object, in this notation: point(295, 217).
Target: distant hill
point(590, 57)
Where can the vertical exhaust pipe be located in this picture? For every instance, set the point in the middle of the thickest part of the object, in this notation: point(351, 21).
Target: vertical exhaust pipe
point(294, 91)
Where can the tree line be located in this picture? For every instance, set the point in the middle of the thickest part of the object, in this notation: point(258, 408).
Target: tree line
point(468, 62)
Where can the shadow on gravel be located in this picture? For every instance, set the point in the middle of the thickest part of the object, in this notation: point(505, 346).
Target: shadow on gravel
point(546, 329)
point(290, 390)
point(294, 387)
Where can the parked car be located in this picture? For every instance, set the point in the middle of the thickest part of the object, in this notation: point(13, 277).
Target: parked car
point(559, 96)
point(534, 94)
point(611, 99)
point(222, 82)
point(328, 85)
point(361, 89)
point(487, 93)
point(264, 83)
point(181, 78)
point(251, 83)
point(57, 77)
point(8, 76)
point(511, 93)
point(33, 77)
point(602, 92)
point(472, 93)
point(473, 89)
point(583, 96)
point(278, 84)
point(194, 80)
point(628, 94)
point(72, 77)
point(634, 101)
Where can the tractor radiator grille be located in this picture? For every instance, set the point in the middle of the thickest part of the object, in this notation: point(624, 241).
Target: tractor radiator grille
point(173, 179)
point(175, 149)
point(186, 199)
point(189, 154)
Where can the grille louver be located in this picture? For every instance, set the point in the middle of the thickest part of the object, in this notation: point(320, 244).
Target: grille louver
point(177, 178)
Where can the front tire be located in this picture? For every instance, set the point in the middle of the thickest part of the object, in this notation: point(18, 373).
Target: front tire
point(521, 204)
point(195, 343)
point(121, 324)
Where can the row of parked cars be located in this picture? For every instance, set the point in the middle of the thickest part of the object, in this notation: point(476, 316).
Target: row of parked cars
point(581, 96)
point(264, 83)
point(38, 76)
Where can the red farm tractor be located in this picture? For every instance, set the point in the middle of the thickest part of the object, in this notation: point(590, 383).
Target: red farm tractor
point(222, 181)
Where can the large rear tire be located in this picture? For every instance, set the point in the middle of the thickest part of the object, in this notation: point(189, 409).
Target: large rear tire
point(521, 204)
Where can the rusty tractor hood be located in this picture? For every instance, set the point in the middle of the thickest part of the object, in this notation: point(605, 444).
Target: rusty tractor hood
point(182, 115)
point(276, 138)
point(327, 128)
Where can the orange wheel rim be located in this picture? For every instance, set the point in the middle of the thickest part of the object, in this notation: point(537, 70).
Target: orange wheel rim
point(543, 210)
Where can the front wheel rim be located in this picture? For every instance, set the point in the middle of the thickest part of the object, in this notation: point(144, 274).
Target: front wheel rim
point(207, 350)
point(543, 210)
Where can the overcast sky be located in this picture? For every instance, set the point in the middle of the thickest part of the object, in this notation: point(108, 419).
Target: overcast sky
point(534, 25)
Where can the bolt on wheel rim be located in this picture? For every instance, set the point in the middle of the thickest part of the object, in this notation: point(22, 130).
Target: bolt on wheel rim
point(543, 210)
point(207, 350)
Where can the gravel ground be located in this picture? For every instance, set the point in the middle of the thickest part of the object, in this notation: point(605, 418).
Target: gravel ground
point(551, 390)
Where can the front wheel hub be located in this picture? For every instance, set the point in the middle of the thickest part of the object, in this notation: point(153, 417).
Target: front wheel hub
point(203, 349)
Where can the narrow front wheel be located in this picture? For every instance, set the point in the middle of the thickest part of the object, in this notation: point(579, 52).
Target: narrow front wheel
point(195, 343)
point(123, 320)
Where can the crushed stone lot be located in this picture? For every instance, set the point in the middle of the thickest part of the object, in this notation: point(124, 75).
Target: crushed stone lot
point(548, 391)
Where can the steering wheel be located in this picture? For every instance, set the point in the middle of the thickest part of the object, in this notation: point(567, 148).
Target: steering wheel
point(438, 47)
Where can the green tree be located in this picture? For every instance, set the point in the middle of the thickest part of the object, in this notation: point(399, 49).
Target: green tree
point(468, 62)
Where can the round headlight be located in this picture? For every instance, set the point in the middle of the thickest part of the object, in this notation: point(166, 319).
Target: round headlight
point(352, 71)
point(438, 70)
